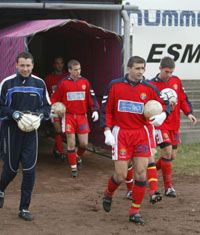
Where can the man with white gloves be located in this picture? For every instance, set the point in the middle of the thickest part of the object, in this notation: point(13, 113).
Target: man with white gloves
point(24, 102)
point(122, 111)
point(76, 93)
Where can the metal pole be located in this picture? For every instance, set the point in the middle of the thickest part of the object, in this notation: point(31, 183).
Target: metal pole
point(22, 5)
point(126, 43)
point(69, 6)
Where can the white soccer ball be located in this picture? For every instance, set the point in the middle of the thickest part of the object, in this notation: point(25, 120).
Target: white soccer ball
point(151, 108)
point(170, 95)
point(58, 108)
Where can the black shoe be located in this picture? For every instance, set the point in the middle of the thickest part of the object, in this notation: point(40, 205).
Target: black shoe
point(107, 202)
point(79, 162)
point(170, 192)
point(156, 197)
point(1, 199)
point(136, 218)
point(74, 173)
point(25, 215)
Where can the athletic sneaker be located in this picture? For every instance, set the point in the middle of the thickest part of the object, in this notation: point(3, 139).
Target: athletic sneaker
point(2, 194)
point(107, 201)
point(129, 195)
point(136, 218)
point(25, 215)
point(74, 173)
point(170, 192)
point(156, 197)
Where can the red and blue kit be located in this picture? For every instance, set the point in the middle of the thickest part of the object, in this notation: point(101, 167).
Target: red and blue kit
point(169, 129)
point(123, 108)
point(77, 96)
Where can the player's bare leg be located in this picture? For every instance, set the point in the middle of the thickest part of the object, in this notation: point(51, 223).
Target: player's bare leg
point(174, 152)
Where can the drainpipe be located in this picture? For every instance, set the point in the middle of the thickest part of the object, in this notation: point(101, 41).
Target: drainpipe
point(68, 6)
point(126, 43)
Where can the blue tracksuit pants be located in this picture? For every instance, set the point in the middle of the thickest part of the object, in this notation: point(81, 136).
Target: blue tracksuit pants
point(18, 147)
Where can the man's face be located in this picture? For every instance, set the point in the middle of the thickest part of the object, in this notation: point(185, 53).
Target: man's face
point(136, 72)
point(58, 64)
point(165, 73)
point(75, 71)
point(24, 66)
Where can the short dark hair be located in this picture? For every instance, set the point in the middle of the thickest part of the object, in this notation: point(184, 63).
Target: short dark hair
point(25, 55)
point(167, 62)
point(58, 57)
point(72, 62)
point(135, 60)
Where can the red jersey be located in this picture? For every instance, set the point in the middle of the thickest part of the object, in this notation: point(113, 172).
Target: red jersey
point(123, 103)
point(76, 96)
point(173, 120)
point(52, 81)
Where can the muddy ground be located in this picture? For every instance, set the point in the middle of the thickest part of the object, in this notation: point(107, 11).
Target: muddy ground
point(62, 205)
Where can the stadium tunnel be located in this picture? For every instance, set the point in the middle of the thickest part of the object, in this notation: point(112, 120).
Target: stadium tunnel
point(98, 50)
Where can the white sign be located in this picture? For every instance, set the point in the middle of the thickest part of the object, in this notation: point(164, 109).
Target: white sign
point(167, 32)
point(180, 44)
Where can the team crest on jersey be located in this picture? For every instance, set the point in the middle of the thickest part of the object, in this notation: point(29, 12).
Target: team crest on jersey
point(165, 136)
point(175, 86)
point(83, 87)
point(143, 96)
point(122, 152)
point(68, 127)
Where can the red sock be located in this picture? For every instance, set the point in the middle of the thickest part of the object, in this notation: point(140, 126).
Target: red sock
point(59, 143)
point(152, 177)
point(80, 151)
point(138, 192)
point(129, 178)
point(111, 187)
point(166, 167)
point(158, 163)
point(71, 154)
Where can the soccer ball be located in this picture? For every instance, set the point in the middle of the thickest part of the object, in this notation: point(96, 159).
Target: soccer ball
point(58, 109)
point(151, 108)
point(170, 95)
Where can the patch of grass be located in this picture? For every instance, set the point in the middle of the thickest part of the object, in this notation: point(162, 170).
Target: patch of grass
point(187, 161)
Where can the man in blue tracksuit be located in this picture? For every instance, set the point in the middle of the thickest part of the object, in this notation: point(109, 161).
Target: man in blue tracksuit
point(21, 93)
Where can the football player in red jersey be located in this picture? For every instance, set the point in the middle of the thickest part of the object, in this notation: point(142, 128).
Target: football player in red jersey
point(167, 135)
point(52, 80)
point(122, 111)
point(76, 94)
